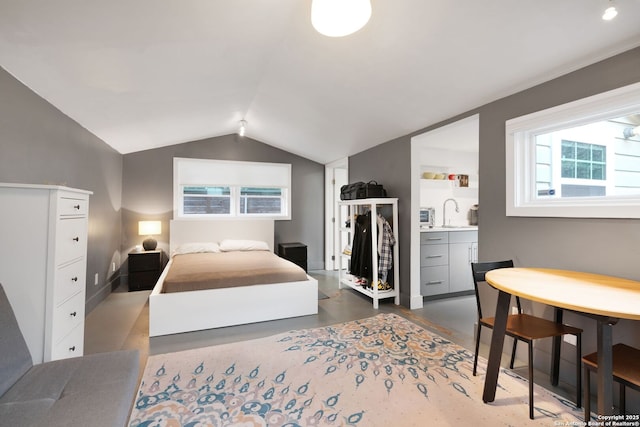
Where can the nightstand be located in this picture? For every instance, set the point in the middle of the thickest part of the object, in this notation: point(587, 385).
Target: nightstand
point(295, 252)
point(145, 269)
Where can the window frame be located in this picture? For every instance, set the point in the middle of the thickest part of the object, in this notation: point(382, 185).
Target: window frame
point(520, 149)
point(212, 215)
point(188, 172)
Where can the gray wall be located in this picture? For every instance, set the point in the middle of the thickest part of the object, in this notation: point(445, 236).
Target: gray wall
point(41, 145)
point(148, 190)
point(389, 164)
point(608, 246)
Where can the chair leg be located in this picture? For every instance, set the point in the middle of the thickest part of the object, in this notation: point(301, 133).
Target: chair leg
point(513, 353)
point(578, 376)
point(530, 379)
point(587, 395)
point(475, 357)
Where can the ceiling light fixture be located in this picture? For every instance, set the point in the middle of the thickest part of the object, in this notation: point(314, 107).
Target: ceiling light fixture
point(243, 127)
point(610, 13)
point(338, 18)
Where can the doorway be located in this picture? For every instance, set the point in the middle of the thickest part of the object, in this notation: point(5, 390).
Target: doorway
point(450, 149)
point(336, 175)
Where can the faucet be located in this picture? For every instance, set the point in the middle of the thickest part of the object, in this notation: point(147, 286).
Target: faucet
point(444, 210)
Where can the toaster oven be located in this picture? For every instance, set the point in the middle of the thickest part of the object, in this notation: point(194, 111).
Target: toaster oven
point(427, 217)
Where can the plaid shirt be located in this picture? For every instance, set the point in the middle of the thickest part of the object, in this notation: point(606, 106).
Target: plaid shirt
point(386, 240)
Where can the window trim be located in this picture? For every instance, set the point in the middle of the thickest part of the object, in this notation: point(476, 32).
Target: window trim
point(241, 171)
point(520, 147)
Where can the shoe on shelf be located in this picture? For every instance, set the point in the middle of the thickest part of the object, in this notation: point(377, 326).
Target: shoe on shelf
point(383, 286)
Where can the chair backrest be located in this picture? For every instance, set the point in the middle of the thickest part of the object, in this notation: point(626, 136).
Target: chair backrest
point(15, 359)
point(479, 270)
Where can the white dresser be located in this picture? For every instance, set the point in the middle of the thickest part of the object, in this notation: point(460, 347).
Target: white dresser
point(43, 263)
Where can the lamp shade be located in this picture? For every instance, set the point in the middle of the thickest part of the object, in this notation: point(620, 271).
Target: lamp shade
point(337, 18)
point(149, 228)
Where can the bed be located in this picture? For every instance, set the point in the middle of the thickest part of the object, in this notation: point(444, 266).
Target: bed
point(196, 309)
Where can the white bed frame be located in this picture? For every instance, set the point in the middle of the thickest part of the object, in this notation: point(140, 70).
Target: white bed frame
point(178, 312)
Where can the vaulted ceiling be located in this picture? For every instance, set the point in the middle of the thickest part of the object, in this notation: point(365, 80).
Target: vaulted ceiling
point(141, 74)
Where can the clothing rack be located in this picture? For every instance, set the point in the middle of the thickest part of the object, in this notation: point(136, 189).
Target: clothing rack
point(348, 210)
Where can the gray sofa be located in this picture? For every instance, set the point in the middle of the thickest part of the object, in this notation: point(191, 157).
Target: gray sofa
point(94, 390)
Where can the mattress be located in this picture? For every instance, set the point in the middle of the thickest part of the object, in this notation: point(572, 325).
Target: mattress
point(199, 271)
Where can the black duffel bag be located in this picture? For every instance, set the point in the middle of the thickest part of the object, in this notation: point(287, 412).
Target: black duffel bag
point(362, 190)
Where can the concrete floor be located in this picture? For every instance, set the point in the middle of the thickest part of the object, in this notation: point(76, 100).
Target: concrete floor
point(121, 321)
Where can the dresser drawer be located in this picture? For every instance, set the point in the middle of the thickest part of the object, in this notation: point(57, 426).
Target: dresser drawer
point(69, 206)
point(69, 280)
point(71, 239)
point(145, 261)
point(431, 255)
point(66, 317)
point(72, 345)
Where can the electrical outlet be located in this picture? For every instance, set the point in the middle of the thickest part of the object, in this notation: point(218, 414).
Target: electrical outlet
point(570, 339)
point(113, 267)
point(95, 280)
point(514, 310)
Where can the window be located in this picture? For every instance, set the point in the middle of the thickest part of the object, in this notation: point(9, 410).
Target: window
point(577, 160)
point(223, 189)
point(204, 200)
point(583, 161)
point(255, 200)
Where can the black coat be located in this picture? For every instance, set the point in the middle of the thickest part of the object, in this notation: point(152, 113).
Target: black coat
point(361, 264)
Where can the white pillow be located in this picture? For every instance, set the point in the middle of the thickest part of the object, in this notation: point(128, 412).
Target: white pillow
point(243, 245)
point(195, 247)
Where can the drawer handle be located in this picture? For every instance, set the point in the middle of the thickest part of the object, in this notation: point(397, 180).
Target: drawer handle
point(76, 207)
point(434, 282)
point(72, 348)
point(74, 279)
point(76, 239)
point(435, 238)
point(435, 256)
point(74, 314)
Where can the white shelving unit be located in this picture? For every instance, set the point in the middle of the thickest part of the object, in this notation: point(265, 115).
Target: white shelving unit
point(361, 206)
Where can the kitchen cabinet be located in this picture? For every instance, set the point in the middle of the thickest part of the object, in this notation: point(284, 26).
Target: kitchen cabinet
point(463, 250)
point(445, 261)
point(434, 263)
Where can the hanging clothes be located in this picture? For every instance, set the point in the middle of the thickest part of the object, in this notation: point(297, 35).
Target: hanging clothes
point(386, 240)
point(361, 262)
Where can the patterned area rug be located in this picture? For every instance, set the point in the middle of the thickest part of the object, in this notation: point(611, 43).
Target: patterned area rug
point(380, 371)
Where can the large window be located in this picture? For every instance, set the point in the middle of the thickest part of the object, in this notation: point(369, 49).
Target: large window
point(577, 160)
point(222, 189)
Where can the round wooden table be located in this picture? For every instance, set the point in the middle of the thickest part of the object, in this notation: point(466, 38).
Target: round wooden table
point(605, 298)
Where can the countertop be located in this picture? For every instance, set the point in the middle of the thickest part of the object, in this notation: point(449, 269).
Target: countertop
point(449, 228)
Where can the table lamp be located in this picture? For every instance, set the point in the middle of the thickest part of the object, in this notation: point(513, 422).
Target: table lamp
point(149, 228)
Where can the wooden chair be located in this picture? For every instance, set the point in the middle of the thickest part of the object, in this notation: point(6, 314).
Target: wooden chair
point(523, 327)
point(626, 371)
